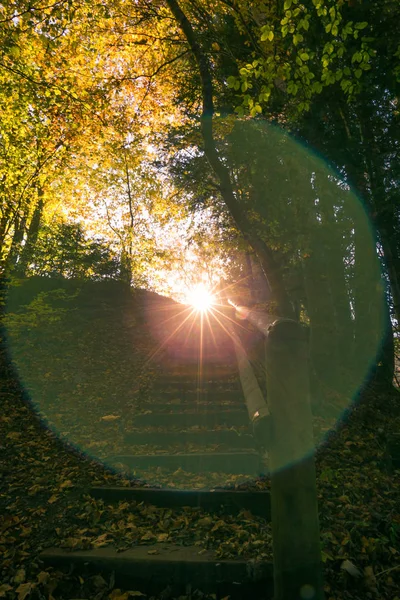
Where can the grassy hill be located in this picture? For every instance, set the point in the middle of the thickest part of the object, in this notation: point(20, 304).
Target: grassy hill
point(81, 351)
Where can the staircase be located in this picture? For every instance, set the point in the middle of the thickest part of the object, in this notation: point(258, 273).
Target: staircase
point(195, 422)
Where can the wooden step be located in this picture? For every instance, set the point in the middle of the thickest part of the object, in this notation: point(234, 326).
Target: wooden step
point(190, 386)
point(226, 501)
point(177, 566)
point(208, 395)
point(184, 420)
point(179, 370)
point(227, 437)
point(234, 463)
point(189, 406)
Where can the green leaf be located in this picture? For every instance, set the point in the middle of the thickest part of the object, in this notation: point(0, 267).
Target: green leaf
point(231, 81)
point(317, 87)
point(357, 57)
point(288, 4)
point(358, 73)
point(362, 25)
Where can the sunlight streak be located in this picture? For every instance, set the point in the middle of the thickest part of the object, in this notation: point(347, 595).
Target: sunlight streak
point(157, 350)
point(200, 298)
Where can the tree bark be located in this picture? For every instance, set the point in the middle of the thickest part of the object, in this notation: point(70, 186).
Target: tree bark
point(264, 253)
point(32, 236)
point(369, 297)
point(333, 235)
point(15, 250)
point(320, 308)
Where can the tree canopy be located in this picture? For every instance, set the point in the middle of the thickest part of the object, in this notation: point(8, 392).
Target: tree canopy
point(141, 138)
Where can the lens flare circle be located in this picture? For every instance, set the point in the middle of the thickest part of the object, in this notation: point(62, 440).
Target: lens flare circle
point(200, 298)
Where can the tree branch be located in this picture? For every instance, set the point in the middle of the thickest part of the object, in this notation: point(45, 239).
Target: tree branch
point(264, 254)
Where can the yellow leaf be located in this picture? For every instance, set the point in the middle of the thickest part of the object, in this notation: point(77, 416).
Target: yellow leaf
point(216, 47)
point(24, 590)
point(13, 435)
point(43, 577)
point(20, 576)
point(66, 484)
point(52, 499)
point(100, 541)
point(34, 489)
point(118, 595)
point(3, 589)
point(110, 418)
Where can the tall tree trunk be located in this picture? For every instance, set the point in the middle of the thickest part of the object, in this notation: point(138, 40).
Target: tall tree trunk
point(370, 304)
point(250, 280)
point(332, 236)
point(15, 250)
point(320, 308)
point(392, 262)
point(32, 236)
point(3, 224)
point(264, 253)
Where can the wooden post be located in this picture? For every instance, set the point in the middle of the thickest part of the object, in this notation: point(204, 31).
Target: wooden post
point(294, 506)
point(257, 407)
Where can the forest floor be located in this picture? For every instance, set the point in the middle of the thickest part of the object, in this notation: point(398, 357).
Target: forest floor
point(48, 465)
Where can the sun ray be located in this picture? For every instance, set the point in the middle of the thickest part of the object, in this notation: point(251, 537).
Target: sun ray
point(191, 327)
point(223, 326)
point(228, 318)
point(200, 371)
point(157, 350)
point(209, 325)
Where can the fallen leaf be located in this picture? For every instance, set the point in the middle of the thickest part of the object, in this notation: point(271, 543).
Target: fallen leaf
point(99, 582)
point(3, 589)
point(110, 418)
point(351, 569)
point(118, 595)
point(43, 577)
point(66, 484)
point(13, 435)
point(20, 576)
point(52, 499)
point(24, 590)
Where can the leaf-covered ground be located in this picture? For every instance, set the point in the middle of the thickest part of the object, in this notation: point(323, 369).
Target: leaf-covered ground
point(44, 481)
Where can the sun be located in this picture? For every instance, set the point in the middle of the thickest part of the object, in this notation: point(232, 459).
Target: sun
point(200, 298)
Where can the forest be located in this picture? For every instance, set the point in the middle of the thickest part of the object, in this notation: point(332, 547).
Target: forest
point(247, 146)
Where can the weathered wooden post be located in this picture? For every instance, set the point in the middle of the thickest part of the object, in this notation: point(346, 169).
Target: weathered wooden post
point(257, 407)
point(294, 505)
